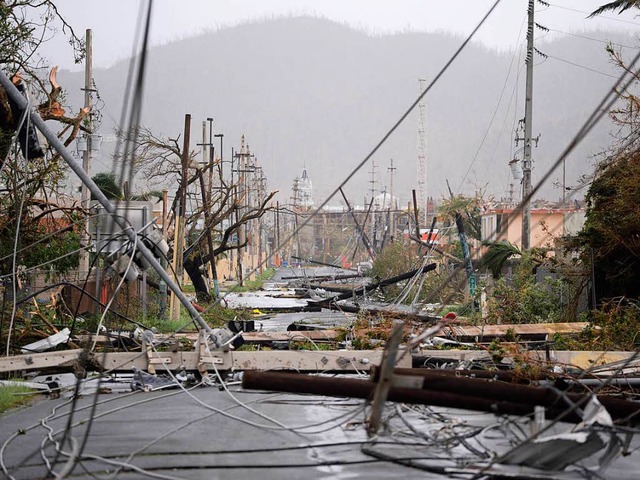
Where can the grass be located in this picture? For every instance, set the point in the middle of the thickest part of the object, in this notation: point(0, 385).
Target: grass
point(184, 323)
point(13, 396)
point(251, 285)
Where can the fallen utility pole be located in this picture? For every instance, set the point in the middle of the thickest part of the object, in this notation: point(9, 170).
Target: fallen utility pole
point(307, 361)
point(316, 262)
point(363, 234)
point(322, 278)
point(381, 284)
point(511, 376)
point(426, 379)
point(383, 311)
point(350, 388)
point(55, 142)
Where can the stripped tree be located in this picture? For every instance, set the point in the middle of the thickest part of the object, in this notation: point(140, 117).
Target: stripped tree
point(221, 212)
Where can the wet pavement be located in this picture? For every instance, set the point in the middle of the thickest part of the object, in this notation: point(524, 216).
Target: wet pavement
point(208, 433)
point(201, 434)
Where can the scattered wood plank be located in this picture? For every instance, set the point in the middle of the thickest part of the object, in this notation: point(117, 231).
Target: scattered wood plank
point(471, 333)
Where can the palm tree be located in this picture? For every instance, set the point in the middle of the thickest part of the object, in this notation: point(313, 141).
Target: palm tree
point(621, 5)
point(497, 254)
point(107, 183)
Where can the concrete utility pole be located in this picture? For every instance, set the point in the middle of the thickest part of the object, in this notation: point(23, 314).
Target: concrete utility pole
point(422, 153)
point(242, 234)
point(86, 156)
point(181, 205)
point(392, 226)
point(373, 196)
point(528, 108)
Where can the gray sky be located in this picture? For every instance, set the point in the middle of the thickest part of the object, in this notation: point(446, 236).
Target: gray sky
point(114, 22)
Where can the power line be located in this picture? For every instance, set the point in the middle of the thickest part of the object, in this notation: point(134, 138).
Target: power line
point(495, 112)
point(581, 66)
point(382, 141)
point(606, 42)
point(599, 16)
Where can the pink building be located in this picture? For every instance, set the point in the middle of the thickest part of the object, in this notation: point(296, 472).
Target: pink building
point(547, 224)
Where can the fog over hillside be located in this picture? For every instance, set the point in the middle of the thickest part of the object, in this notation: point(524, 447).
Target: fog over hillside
point(311, 92)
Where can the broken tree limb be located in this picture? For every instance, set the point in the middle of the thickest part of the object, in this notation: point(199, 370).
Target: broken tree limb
point(435, 249)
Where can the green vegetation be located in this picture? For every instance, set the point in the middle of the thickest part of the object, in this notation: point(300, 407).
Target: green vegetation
point(396, 258)
point(310, 345)
point(520, 299)
point(469, 210)
point(107, 183)
point(13, 396)
point(609, 238)
point(615, 326)
point(256, 284)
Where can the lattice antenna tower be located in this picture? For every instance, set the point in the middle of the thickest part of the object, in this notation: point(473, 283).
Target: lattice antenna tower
point(422, 154)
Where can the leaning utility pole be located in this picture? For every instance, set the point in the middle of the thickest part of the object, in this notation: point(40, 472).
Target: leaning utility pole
point(528, 107)
point(86, 156)
point(55, 143)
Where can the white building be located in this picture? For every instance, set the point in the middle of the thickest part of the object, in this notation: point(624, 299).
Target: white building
point(305, 190)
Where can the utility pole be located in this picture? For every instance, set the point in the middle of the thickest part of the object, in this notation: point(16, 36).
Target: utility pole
point(373, 196)
point(422, 153)
point(207, 199)
point(363, 234)
point(242, 234)
point(393, 202)
point(86, 156)
point(528, 107)
point(277, 235)
point(181, 204)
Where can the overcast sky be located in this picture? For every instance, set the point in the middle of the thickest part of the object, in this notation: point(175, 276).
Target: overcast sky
point(114, 22)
